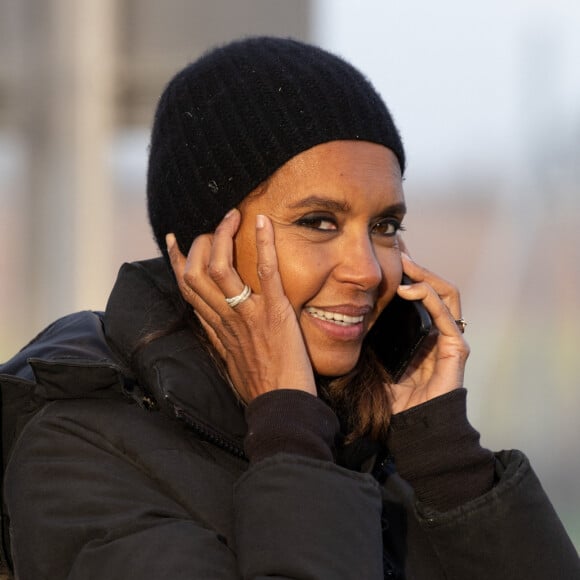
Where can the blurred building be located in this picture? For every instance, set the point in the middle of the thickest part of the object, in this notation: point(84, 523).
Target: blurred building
point(76, 77)
point(149, 41)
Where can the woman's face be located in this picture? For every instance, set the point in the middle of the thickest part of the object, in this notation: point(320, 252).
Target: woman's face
point(336, 210)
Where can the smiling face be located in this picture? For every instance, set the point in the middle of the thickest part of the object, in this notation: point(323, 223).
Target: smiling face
point(336, 210)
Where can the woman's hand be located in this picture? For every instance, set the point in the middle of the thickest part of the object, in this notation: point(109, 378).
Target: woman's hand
point(260, 339)
point(439, 366)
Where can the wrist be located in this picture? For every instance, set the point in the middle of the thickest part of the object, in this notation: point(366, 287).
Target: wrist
point(290, 421)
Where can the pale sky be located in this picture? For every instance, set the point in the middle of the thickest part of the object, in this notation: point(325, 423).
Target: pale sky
point(475, 88)
point(469, 83)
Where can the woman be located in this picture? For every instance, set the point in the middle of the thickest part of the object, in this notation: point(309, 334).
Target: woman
point(225, 417)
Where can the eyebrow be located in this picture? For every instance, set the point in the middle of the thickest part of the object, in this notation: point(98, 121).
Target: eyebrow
point(315, 201)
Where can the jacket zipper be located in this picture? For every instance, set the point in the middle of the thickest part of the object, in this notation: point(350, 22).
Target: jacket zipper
point(208, 435)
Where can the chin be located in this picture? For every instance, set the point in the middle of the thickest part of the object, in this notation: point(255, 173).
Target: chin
point(337, 365)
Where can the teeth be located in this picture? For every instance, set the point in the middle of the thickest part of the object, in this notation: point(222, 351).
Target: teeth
point(341, 319)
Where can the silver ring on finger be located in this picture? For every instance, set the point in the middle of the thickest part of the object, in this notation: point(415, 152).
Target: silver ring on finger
point(461, 324)
point(239, 298)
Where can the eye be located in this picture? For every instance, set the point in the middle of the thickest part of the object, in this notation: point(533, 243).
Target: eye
point(387, 227)
point(318, 222)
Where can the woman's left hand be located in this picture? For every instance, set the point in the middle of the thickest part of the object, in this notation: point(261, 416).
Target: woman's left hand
point(439, 366)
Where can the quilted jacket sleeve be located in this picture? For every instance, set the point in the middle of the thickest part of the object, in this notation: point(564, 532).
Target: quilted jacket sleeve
point(511, 532)
point(473, 514)
point(102, 489)
point(297, 513)
point(302, 518)
point(83, 506)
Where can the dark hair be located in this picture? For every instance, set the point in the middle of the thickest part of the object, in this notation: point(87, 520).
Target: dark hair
point(362, 398)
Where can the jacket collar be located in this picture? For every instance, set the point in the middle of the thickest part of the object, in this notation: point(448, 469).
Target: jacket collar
point(68, 359)
point(175, 368)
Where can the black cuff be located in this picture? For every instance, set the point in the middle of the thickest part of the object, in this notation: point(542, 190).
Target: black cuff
point(290, 421)
point(438, 452)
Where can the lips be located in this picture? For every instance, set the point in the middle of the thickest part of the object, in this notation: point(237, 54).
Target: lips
point(335, 317)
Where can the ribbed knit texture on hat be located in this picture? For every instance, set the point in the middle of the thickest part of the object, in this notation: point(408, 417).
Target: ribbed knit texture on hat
point(229, 120)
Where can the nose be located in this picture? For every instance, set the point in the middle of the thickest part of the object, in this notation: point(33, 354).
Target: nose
point(358, 263)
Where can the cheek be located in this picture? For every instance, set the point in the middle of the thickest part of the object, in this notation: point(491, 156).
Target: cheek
point(392, 268)
point(245, 258)
point(302, 272)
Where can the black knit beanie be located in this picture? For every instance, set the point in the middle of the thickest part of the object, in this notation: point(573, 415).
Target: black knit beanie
point(229, 120)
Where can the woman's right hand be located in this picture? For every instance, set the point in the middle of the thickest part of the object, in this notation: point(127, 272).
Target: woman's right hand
point(259, 340)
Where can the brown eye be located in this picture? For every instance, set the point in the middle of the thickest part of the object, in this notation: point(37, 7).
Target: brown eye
point(318, 222)
point(386, 227)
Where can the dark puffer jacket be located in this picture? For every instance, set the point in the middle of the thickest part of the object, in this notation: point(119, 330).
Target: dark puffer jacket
point(123, 470)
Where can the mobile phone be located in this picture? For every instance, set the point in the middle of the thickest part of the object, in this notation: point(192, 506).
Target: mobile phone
point(398, 333)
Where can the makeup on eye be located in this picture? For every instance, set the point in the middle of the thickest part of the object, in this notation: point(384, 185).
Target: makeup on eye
point(386, 227)
point(318, 222)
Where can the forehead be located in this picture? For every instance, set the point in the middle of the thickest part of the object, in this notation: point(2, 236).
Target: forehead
point(349, 172)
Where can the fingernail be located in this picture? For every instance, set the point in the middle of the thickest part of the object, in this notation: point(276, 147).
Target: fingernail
point(170, 241)
point(230, 213)
point(260, 221)
point(406, 256)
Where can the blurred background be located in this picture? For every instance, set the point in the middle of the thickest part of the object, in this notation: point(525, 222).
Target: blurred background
point(486, 95)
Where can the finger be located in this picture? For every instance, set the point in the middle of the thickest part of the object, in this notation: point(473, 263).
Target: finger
point(442, 318)
point(267, 260)
point(177, 260)
point(221, 258)
point(198, 278)
point(201, 309)
point(188, 270)
point(189, 278)
point(448, 293)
